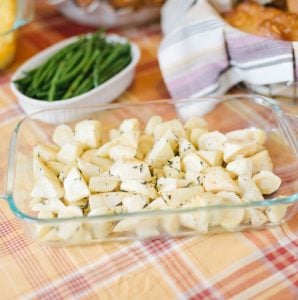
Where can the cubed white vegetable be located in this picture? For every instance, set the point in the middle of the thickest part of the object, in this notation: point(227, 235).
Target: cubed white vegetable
point(195, 134)
point(88, 133)
point(75, 186)
point(241, 166)
point(103, 183)
point(261, 161)
point(256, 217)
point(81, 235)
point(250, 190)
point(62, 135)
point(135, 202)
point(88, 169)
point(92, 157)
point(170, 224)
point(55, 166)
point(128, 125)
point(43, 229)
point(147, 228)
point(171, 137)
point(131, 169)
point(145, 143)
point(267, 182)
point(70, 152)
point(237, 149)
point(152, 123)
point(276, 213)
point(47, 187)
point(213, 140)
point(113, 133)
point(157, 204)
point(196, 122)
point(256, 134)
point(127, 225)
point(139, 187)
point(108, 200)
point(193, 163)
point(167, 184)
point(119, 152)
point(212, 157)
point(40, 169)
point(174, 125)
point(65, 170)
point(45, 152)
point(185, 147)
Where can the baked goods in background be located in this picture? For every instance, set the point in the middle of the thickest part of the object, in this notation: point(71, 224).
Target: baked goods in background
point(264, 21)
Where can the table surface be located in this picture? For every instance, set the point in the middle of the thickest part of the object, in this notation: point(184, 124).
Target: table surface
point(259, 265)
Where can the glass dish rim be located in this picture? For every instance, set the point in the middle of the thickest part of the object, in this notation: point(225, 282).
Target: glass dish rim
point(260, 100)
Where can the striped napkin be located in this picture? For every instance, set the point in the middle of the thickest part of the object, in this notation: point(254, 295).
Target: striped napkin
point(200, 54)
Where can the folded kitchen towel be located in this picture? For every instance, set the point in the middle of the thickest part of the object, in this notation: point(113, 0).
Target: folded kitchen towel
point(201, 54)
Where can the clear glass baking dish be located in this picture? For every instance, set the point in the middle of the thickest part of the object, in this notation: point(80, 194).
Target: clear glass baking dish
point(222, 113)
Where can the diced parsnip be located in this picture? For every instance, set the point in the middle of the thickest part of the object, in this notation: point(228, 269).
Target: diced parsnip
point(47, 187)
point(44, 229)
point(113, 133)
point(170, 224)
point(167, 184)
point(51, 236)
point(152, 123)
point(92, 157)
point(62, 135)
point(81, 235)
point(172, 168)
point(159, 155)
point(103, 183)
point(216, 179)
point(170, 137)
point(135, 202)
point(40, 169)
point(213, 140)
point(70, 152)
point(256, 134)
point(174, 125)
point(195, 134)
point(45, 152)
point(67, 229)
point(128, 125)
point(185, 147)
point(88, 169)
point(193, 163)
point(276, 213)
point(261, 161)
point(238, 149)
point(196, 122)
point(145, 143)
point(194, 177)
point(139, 187)
point(232, 217)
point(55, 166)
point(139, 155)
point(267, 182)
point(158, 173)
point(108, 200)
point(65, 170)
point(180, 196)
point(51, 204)
point(156, 204)
point(130, 138)
point(127, 225)
point(147, 228)
point(88, 133)
point(119, 152)
point(212, 157)
point(75, 186)
point(241, 166)
point(255, 216)
point(250, 190)
point(131, 169)
point(101, 228)
point(104, 150)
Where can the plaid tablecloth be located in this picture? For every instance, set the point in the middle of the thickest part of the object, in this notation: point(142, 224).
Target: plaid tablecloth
point(251, 265)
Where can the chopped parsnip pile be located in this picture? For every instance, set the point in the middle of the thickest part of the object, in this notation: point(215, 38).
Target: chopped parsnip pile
point(167, 165)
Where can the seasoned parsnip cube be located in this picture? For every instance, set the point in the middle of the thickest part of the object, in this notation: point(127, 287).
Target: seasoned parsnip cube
point(212, 157)
point(70, 152)
point(152, 123)
point(195, 134)
point(185, 147)
point(267, 182)
point(158, 173)
point(101, 228)
point(241, 166)
point(213, 140)
point(131, 169)
point(104, 150)
point(92, 157)
point(276, 213)
point(196, 122)
point(88, 133)
point(88, 169)
point(170, 172)
point(65, 170)
point(66, 230)
point(130, 138)
point(81, 235)
point(261, 161)
point(40, 169)
point(174, 125)
point(194, 177)
point(51, 204)
point(216, 179)
point(127, 225)
point(62, 135)
point(119, 152)
point(139, 187)
point(43, 229)
point(47, 187)
point(109, 200)
point(128, 125)
point(135, 202)
point(55, 166)
point(147, 228)
point(160, 154)
point(256, 134)
point(250, 190)
point(238, 149)
point(255, 216)
point(45, 152)
point(193, 163)
point(103, 183)
point(170, 224)
point(145, 143)
point(170, 137)
point(167, 184)
point(75, 186)
point(157, 204)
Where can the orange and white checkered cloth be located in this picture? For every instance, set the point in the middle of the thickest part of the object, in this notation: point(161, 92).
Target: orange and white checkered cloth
point(250, 265)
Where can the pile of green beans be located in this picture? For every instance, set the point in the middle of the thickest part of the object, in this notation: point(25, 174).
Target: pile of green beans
point(76, 69)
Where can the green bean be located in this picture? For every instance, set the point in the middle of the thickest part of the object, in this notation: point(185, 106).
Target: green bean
point(53, 87)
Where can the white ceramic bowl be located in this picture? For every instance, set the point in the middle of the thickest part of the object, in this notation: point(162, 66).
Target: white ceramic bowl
point(104, 93)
